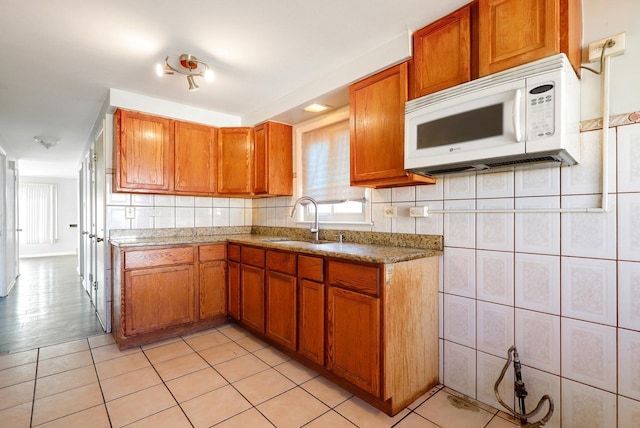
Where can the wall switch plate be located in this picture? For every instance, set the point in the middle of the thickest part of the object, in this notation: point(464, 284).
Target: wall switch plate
point(419, 211)
point(595, 48)
point(390, 211)
point(130, 212)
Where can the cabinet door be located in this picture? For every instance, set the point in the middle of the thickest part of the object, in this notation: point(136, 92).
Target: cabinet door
point(515, 32)
point(213, 289)
point(273, 159)
point(143, 152)
point(234, 160)
point(159, 297)
point(442, 54)
point(195, 168)
point(311, 325)
point(353, 338)
point(252, 298)
point(233, 269)
point(282, 308)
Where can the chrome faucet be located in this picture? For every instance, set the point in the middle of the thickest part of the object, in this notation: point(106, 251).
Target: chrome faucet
point(315, 228)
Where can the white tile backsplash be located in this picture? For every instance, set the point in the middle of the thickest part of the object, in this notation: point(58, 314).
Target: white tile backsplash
point(629, 295)
point(460, 228)
point(587, 178)
point(628, 412)
point(459, 186)
point(203, 216)
point(403, 223)
point(460, 320)
point(459, 271)
point(495, 276)
point(540, 383)
point(537, 232)
point(434, 224)
point(164, 217)
point(629, 158)
point(538, 340)
point(629, 226)
point(185, 216)
point(495, 185)
point(489, 368)
point(495, 230)
point(164, 201)
point(537, 282)
point(403, 194)
point(460, 368)
point(584, 406)
point(432, 192)
point(494, 328)
point(588, 234)
point(629, 361)
point(537, 182)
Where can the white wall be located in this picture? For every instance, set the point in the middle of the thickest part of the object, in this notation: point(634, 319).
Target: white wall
point(67, 242)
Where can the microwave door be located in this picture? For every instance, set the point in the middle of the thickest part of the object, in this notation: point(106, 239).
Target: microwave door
point(479, 125)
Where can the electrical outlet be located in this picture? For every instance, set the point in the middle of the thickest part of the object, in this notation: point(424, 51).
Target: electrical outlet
point(419, 211)
point(390, 211)
point(595, 48)
point(129, 212)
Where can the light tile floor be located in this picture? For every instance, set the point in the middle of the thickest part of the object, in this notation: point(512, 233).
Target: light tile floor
point(222, 377)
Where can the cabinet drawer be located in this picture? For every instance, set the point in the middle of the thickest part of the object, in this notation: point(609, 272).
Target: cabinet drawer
point(209, 253)
point(363, 279)
point(281, 262)
point(311, 268)
point(252, 256)
point(157, 257)
point(233, 252)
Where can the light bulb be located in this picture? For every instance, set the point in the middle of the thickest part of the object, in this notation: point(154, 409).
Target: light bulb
point(208, 75)
point(159, 70)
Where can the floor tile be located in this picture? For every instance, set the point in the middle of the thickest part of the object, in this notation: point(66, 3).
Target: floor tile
point(215, 406)
point(170, 418)
point(16, 416)
point(180, 366)
point(326, 391)
point(139, 405)
point(128, 383)
point(241, 367)
point(330, 419)
point(109, 352)
point(224, 352)
point(450, 411)
point(413, 420)
point(251, 343)
point(118, 366)
point(271, 356)
point(63, 363)
point(282, 414)
point(18, 359)
point(263, 386)
point(233, 331)
point(101, 340)
point(66, 403)
point(16, 394)
point(63, 349)
point(18, 374)
point(94, 417)
point(363, 414)
point(249, 418)
point(206, 340)
point(498, 422)
point(168, 352)
point(295, 371)
point(194, 384)
point(424, 397)
point(65, 381)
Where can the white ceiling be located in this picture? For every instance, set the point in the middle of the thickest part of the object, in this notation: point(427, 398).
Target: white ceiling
point(60, 57)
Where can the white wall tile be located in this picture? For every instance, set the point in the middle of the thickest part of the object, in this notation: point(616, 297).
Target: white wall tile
point(143, 218)
point(220, 217)
point(165, 217)
point(537, 282)
point(434, 224)
point(588, 234)
point(537, 182)
point(459, 271)
point(236, 216)
point(538, 384)
point(629, 158)
point(495, 230)
point(115, 218)
point(224, 202)
point(538, 340)
point(495, 185)
point(112, 198)
point(202, 202)
point(185, 201)
point(239, 203)
point(380, 222)
point(432, 192)
point(489, 368)
point(381, 196)
point(495, 276)
point(494, 328)
point(403, 194)
point(628, 412)
point(629, 226)
point(185, 217)
point(589, 353)
point(460, 368)
point(585, 177)
point(589, 289)
point(440, 315)
point(629, 363)
point(584, 406)
point(459, 186)
point(164, 201)
point(248, 217)
point(139, 200)
point(460, 229)
point(460, 320)
point(403, 223)
point(441, 361)
point(203, 217)
point(537, 232)
point(629, 295)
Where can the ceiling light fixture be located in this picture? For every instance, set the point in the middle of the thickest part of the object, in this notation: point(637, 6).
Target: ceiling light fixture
point(187, 65)
point(47, 142)
point(316, 108)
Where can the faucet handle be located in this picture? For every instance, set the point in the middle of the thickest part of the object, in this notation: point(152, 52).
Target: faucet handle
point(340, 236)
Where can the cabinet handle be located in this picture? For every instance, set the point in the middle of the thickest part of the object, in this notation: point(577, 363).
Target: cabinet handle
point(91, 235)
point(99, 239)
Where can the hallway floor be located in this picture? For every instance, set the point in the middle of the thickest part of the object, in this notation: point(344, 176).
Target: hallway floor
point(60, 370)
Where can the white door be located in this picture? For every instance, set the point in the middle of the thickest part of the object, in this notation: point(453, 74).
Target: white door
point(102, 287)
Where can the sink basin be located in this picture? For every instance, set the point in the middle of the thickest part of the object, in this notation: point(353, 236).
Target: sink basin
point(303, 241)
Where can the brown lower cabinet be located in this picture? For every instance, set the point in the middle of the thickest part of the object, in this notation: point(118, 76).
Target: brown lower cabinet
point(165, 291)
point(370, 327)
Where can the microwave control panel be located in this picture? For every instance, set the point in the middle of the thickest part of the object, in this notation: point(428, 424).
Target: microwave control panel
point(541, 111)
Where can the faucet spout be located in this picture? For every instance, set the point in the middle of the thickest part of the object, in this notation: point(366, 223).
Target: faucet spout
point(315, 229)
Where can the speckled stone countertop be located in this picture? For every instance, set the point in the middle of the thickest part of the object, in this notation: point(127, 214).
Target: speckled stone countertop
point(361, 246)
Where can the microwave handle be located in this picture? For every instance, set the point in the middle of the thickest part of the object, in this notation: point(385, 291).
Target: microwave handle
point(516, 114)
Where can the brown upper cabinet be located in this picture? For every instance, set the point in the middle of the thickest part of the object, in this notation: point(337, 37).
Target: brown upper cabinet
point(273, 159)
point(143, 153)
point(234, 160)
point(377, 130)
point(442, 54)
point(515, 32)
point(195, 162)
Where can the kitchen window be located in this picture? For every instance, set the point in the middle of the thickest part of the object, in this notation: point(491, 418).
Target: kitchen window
point(324, 171)
point(38, 208)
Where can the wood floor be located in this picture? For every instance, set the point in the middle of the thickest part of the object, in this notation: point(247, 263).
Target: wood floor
point(47, 306)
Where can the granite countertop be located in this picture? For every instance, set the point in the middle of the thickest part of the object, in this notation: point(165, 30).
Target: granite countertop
point(358, 251)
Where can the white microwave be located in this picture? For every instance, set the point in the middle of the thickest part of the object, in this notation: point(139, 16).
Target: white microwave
point(528, 115)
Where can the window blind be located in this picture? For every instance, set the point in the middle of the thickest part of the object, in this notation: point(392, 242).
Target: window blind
point(325, 156)
point(38, 213)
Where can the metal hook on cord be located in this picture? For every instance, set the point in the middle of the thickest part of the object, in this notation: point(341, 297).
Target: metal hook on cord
point(521, 393)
